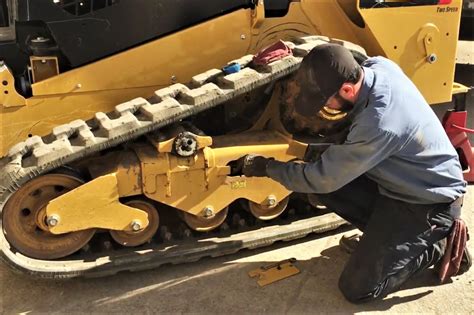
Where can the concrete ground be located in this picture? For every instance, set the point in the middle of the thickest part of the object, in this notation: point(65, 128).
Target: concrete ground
point(221, 285)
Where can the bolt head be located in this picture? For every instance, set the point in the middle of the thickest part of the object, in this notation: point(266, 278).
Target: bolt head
point(136, 226)
point(208, 212)
point(52, 220)
point(167, 236)
point(271, 201)
point(432, 58)
point(242, 37)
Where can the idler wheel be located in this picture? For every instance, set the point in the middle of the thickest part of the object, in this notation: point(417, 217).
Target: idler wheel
point(24, 219)
point(207, 222)
point(131, 238)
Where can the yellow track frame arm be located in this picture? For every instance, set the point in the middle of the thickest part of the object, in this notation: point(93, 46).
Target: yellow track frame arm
point(94, 205)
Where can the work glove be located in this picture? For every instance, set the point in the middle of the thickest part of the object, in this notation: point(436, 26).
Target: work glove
point(250, 165)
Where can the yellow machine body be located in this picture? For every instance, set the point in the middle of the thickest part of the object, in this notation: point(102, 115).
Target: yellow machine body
point(123, 173)
point(421, 39)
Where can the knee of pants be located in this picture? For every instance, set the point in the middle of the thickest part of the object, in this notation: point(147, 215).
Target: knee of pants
point(356, 291)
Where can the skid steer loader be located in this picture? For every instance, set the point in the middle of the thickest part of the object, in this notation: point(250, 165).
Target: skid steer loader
point(119, 119)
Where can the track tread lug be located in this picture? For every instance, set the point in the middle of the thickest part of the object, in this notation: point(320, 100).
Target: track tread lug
point(311, 38)
point(238, 80)
point(203, 78)
point(280, 65)
point(242, 61)
point(112, 128)
point(202, 95)
point(131, 106)
point(169, 92)
point(349, 45)
point(160, 111)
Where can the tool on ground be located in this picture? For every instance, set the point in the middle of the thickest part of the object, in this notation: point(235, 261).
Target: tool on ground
point(274, 272)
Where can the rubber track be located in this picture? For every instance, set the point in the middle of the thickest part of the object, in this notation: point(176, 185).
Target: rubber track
point(78, 139)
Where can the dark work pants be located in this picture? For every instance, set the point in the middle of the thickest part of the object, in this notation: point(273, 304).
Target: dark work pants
point(399, 238)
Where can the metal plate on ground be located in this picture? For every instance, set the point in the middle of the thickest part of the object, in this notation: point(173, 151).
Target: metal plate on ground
point(274, 272)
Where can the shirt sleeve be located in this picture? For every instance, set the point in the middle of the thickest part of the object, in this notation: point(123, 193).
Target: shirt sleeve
point(339, 164)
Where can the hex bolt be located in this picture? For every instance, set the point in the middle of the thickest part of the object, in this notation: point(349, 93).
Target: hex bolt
point(167, 236)
point(107, 245)
point(292, 211)
point(136, 226)
point(208, 212)
point(235, 219)
point(224, 227)
point(52, 220)
point(432, 58)
point(187, 233)
point(165, 233)
point(243, 37)
point(86, 248)
point(271, 201)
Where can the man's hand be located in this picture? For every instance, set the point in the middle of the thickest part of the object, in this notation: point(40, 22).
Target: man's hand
point(250, 165)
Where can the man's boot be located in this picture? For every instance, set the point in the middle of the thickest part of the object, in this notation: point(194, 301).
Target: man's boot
point(349, 242)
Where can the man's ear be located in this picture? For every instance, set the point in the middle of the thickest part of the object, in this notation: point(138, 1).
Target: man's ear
point(347, 90)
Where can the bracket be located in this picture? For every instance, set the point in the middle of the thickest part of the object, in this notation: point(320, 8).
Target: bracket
point(274, 272)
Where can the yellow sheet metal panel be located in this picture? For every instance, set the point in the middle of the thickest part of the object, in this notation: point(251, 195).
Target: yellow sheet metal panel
point(410, 35)
point(399, 33)
point(94, 205)
point(9, 97)
point(181, 55)
point(294, 24)
point(98, 87)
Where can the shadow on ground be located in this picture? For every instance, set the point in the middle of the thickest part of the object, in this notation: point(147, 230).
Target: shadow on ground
point(213, 285)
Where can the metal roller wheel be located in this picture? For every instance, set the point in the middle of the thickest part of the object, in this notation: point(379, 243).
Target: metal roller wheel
point(267, 211)
point(24, 219)
point(205, 224)
point(130, 238)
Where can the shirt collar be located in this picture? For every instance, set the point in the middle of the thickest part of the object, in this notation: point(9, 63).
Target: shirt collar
point(365, 88)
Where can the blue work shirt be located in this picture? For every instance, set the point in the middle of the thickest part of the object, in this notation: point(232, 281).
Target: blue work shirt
point(395, 139)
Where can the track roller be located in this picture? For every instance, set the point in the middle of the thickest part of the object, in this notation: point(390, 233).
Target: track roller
point(205, 224)
point(139, 237)
point(269, 210)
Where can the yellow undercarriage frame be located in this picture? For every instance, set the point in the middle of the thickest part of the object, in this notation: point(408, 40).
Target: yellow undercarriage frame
point(199, 185)
point(421, 39)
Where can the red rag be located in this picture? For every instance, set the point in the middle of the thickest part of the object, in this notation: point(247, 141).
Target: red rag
point(455, 247)
point(272, 53)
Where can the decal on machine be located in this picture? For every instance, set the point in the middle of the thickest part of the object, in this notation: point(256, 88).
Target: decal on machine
point(446, 9)
point(238, 184)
